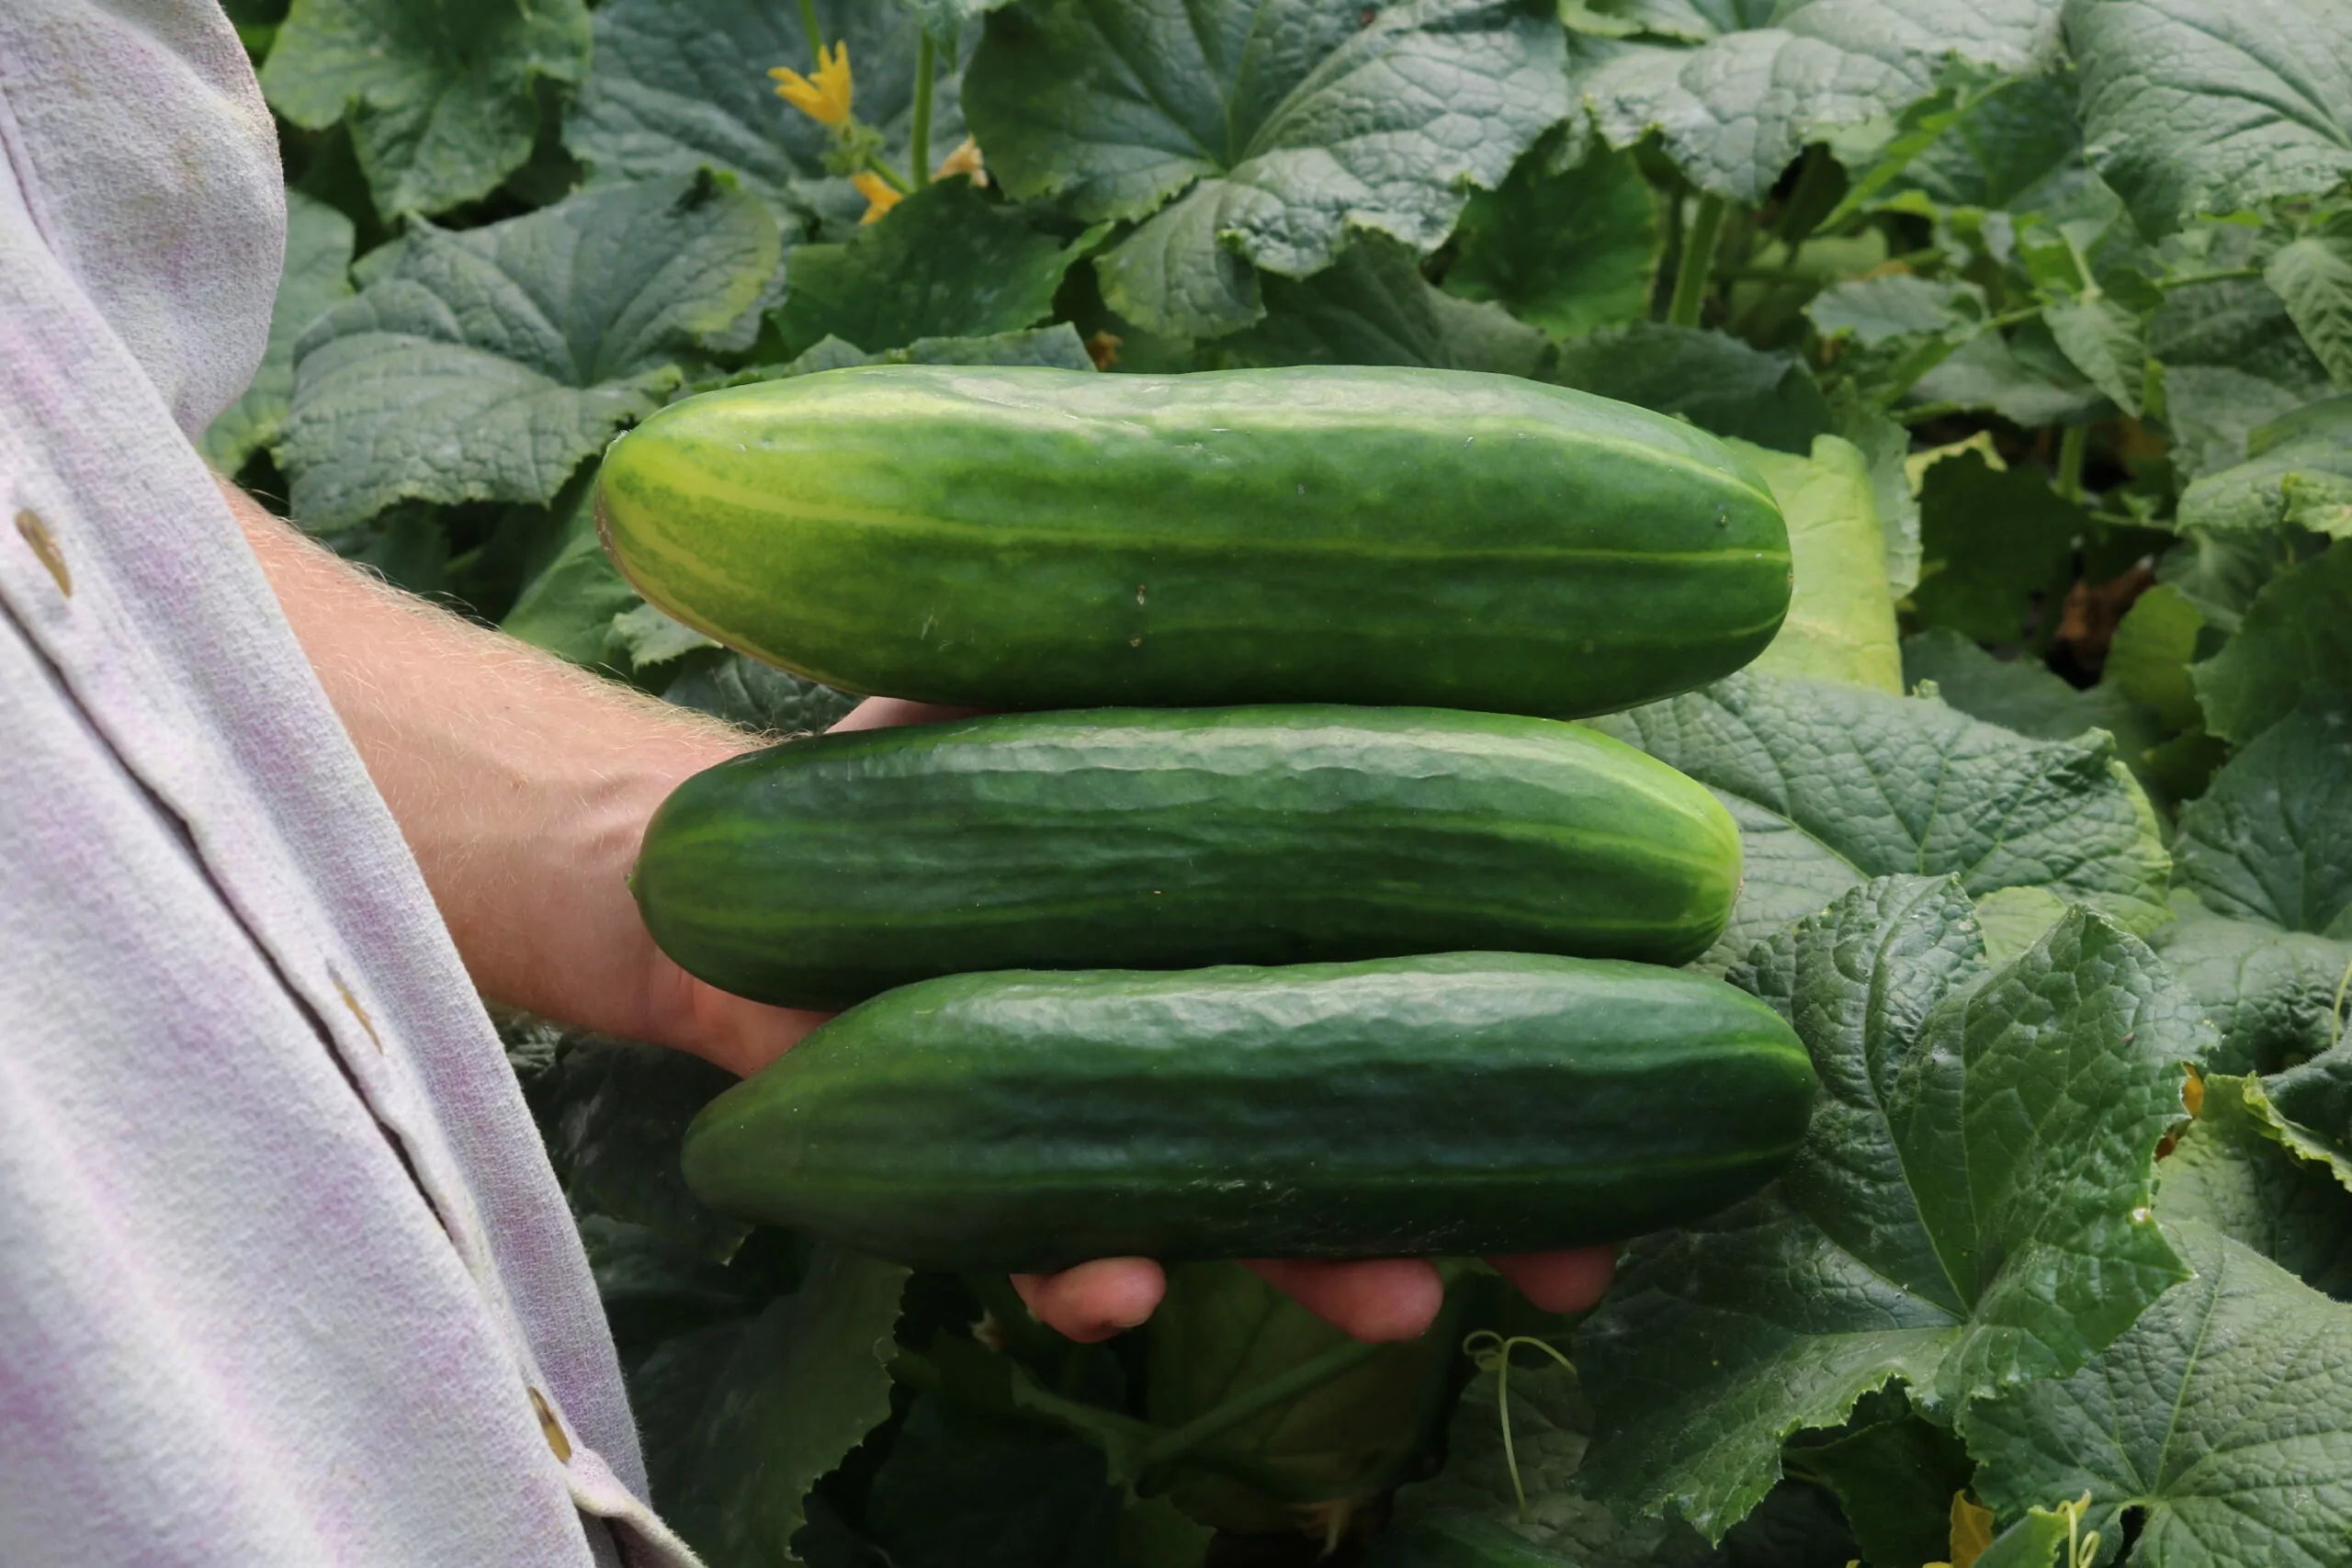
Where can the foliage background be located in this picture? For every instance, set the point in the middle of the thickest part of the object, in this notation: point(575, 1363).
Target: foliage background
point(2037, 317)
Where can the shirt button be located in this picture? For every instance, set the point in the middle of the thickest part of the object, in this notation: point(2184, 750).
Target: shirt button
point(559, 1444)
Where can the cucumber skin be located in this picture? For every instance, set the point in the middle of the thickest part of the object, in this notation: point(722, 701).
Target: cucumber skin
point(819, 872)
point(1037, 538)
point(1456, 1103)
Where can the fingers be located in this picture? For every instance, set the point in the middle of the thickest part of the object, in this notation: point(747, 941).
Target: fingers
point(882, 712)
point(1379, 1299)
point(1094, 1300)
point(1560, 1282)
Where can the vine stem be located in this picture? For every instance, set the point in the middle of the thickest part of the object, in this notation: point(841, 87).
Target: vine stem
point(919, 137)
point(808, 25)
point(2072, 442)
point(1691, 274)
point(890, 176)
point(1309, 1374)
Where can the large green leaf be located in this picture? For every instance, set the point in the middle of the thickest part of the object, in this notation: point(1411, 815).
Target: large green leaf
point(2298, 472)
point(1832, 785)
point(947, 262)
point(2313, 274)
point(1568, 249)
point(1970, 1206)
point(442, 95)
point(2271, 992)
point(1840, 625)
point(1735, 108)
point(2232, 1171)
point(1374, 307)
point(2234, 361)
point(2223, 1416)
point(1997, 551)
point(485, 364)
point(2295, 638)
point(682, 84)
point(2210, 105)
point(1711, 378)
point(1468, 1515)
point(1221, 1332)
point(1276, 127)
point(2271, 841)
point(741, 1418)
point(316, 274)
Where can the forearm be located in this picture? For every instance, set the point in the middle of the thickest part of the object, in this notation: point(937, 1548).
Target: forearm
point(521, 783)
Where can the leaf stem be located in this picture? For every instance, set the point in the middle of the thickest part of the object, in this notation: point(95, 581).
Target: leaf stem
point(1692, 273)
point(919, 137)
point(816, 34)
point(2072, 442)
point(1309, 1374)
point(890, 176)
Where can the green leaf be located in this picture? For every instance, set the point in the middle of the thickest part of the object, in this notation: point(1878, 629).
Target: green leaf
point(2212, 105)
point(1276, 127)
point(2148, 658)
point(316, 275)
point(613, 1113)
point(2024, 378)
point(2271, 841)
point(1969, 1208)
point(2312, 276)
point(2298, 471)
point(1711, 378)
point(740, 1419)
point(486, 364)
point(1840, 625)
point(2007, 149)
point(2271, 992)
point(947, 262)
point(964, 1490)
point(1374, 307)
point(1894, 328)
point(1832, 785)
point(678, 86)
point(2232, 361)
point(2016, 694)
point(759, 696)
point(2106, 341)
point(2223, 1416)
point(1997, 551)
point(2034, 1541)
point(443, 99)
point(569, 605)
point(1468, 1515)
point(1568, 249)
point(1221, 1332)
point(944, 18)
point(2229, 1171)
point(1893, 1479)
point(2295, 638)
point(1733, 110)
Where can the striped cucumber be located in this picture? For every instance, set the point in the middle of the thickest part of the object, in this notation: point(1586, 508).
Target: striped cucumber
point(1034, 538)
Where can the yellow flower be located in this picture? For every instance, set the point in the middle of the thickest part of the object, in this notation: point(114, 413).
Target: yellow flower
point(1104, 349)
point(879, 196)
point(825, 98)
point(965, 160)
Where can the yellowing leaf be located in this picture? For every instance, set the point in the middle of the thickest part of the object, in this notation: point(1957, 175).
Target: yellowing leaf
point(1972, 1530)
point(824, 97)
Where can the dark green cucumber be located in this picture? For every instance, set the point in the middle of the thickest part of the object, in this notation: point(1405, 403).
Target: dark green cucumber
point(822, 871)
point(1468, 1102)
point(1035, 538)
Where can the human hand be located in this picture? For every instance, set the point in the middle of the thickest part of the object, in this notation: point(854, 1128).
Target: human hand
point(1389, 1298)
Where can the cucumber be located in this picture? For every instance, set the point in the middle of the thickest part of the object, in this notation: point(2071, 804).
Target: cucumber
point(822, 871)
point(1033, 538)
point(1458, 1103)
